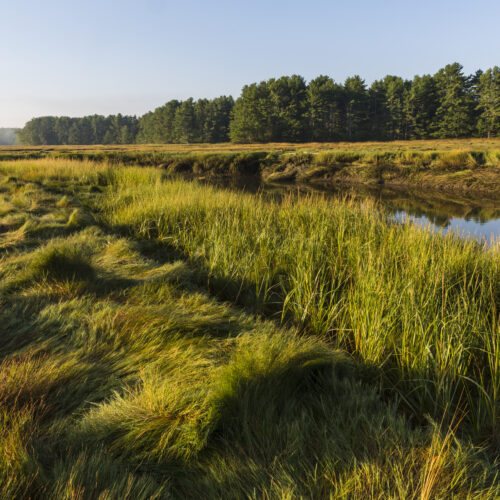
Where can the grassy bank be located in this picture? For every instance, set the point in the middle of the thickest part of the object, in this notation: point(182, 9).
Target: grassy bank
point(134, 365)
point(467, 165)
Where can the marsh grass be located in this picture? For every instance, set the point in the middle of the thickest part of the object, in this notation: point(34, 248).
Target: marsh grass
point(460, 165)
point(421, 305)
point(124, 375)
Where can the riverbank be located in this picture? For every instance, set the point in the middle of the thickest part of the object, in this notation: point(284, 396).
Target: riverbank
point(468, 165)
point(474, 171)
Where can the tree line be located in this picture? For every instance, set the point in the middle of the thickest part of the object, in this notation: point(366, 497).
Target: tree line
point(188, 121)
point(448, 104)
point(95, 129)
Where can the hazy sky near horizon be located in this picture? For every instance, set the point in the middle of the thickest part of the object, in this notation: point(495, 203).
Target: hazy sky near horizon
point(69, 57)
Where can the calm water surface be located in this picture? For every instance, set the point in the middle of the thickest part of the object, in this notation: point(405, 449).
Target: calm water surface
point(485, 230)
point(471, 216)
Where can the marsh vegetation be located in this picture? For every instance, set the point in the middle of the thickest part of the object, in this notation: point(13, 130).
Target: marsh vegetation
point(463, 165)
point(167, 339)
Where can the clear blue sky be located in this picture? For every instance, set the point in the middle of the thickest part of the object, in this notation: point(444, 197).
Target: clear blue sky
point(107, 56)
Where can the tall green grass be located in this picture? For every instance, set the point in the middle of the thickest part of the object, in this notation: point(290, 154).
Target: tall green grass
point(421, 307)
point(124, 376)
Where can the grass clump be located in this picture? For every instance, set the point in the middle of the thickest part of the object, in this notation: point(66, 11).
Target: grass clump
point(18, 467)
point(61, 262)
point(79, 218)
point(457, 160)
point(64, 202)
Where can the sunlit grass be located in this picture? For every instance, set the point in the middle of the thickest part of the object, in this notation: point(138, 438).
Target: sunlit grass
point(369, 371)
point(395, 295)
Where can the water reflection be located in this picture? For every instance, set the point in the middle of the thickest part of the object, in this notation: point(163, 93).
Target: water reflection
point(482, 230)
point(477, 216)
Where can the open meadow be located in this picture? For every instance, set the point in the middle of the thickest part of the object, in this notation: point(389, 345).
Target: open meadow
point(460, 165)
point(480, 144)
point(166, 339)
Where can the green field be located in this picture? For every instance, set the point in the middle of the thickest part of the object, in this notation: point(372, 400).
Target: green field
point(467, 165)
point(165, 339)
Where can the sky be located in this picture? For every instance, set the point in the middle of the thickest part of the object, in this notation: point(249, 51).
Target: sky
point(69, 57)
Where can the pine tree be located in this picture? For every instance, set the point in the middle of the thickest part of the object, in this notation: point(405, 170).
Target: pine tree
point(324, 101)
point(356, 109)
point(184, 124)
point(217, 118)
point(422, 106)
point(396, 98)
point(454, 115)
point(289, 98)
point(379, 116)
point(253, 115)
point(488, 90)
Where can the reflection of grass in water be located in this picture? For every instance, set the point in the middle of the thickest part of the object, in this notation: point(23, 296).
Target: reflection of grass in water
point(132, 381)
point(440, 208)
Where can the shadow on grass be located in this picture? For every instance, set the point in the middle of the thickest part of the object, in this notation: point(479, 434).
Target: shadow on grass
point(418, 396)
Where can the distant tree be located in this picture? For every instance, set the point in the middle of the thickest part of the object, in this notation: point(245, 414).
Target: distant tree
point(164, 122)
point(388, 108)
point(99, 125)
point(379, 116)
point(146, 128)
point(356, 109)
point(120, 129)
point(200, 119)
point(289, 101)
point(488, 91)
point(87, 130)
point(253, 115)
point(62, 127)
point(29, 134)
point(80, 132)
point(110, 137)
point(423, 103)
point(324, 103)
point(397, 91)
point(128, 129)
point(454, 116)
point(184, 123)
point(216, 120)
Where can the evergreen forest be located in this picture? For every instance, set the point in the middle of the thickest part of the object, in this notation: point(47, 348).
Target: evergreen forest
point(448, 104)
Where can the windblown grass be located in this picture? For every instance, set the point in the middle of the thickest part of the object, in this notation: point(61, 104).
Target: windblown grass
point(422, 306)
point(124, 375)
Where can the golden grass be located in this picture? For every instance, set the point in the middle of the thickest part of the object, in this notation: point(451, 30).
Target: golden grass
point(423, 145)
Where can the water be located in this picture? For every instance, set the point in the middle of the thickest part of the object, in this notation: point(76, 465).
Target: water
point(473, 216)
point(487, 231)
